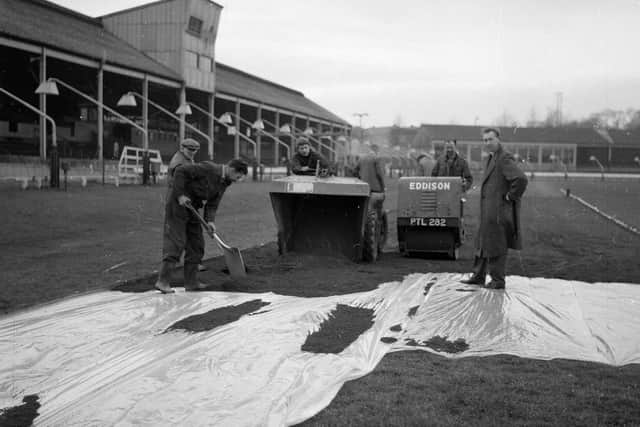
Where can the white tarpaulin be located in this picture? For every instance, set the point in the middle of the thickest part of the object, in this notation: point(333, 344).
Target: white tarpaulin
point(105, 358)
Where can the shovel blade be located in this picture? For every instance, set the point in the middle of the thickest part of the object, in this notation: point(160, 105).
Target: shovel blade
point(235, 263)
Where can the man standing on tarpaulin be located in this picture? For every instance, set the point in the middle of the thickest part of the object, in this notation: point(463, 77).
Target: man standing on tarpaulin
point(502, 187)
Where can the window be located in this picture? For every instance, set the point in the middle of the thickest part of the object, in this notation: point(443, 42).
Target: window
point(13, 126)
point(195, 26)
point(205, 63)
point(191, 59)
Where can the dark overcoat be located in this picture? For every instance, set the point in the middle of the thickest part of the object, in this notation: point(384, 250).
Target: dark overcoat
point(499, 217)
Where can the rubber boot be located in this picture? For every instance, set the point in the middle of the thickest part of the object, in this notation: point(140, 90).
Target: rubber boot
point(191, 282)
point(164, 276)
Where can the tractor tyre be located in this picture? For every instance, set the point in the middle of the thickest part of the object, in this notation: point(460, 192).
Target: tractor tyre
point(370, 239)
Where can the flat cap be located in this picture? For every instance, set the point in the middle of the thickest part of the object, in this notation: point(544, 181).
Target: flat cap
point(190, 143)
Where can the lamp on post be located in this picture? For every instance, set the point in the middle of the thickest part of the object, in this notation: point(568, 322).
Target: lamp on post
point(258, 125)
point(285, 128)
point(595, 160)
point(54, 173)
point(50, 87)
point(129, 100)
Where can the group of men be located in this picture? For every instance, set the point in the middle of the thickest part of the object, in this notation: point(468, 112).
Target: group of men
point(202, 185)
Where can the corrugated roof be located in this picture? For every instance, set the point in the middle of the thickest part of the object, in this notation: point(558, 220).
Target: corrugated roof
point(580, 136)
point(46, 24)
point(234, 82)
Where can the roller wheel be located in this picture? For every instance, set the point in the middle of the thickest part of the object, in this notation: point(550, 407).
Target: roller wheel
point(370, 240)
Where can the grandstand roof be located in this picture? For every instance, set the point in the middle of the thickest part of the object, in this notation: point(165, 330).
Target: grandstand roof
point(53, 26)
point(238, 83)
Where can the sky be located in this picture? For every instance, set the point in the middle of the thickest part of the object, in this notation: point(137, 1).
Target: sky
point(434, 61)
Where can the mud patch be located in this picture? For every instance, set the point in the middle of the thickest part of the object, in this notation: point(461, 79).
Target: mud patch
point(440, 344)
point(217, 317)
point(388, 340)
point(21, 415)
point(344, 325)
point(429, 285)
point(413, 310)
point(396, 328)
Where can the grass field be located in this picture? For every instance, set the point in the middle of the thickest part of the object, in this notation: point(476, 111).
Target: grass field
point(55, 244)
point(619, 198)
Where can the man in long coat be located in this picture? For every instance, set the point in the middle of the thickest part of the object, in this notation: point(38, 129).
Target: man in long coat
point(502, 187)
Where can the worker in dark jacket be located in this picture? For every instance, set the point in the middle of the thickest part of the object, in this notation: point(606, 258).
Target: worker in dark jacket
point(502, 187)
point(370, 169)
point(184, 156)
point(451, 163)
point(195, 184)
point(306, 161)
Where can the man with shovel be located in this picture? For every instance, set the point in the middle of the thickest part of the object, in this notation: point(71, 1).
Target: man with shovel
point(193, 185)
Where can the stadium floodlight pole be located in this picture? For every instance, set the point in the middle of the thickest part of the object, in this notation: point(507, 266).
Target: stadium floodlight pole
point(595, 160)
point(50, 87)
point(360, 116)
point(54, 174)
point(260, 128)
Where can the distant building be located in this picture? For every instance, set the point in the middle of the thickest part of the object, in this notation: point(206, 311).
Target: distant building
point(543, 148)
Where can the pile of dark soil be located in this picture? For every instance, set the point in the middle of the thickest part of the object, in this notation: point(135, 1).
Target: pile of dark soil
point(21, 415)
point(441, 344)
point(298, 274)
point(217, 317)
point(344, 325)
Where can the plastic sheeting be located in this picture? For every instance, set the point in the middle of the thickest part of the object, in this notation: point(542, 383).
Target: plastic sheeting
point(104, 359)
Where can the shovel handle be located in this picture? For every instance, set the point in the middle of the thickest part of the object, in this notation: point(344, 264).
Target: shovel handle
point(204, 223)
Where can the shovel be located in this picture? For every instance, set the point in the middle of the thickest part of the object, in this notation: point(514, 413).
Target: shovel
point(232, 256)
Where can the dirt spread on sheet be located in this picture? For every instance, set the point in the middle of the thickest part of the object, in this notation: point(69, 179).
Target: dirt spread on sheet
point(21, 415)
point(396, 328)
point(217, 317)
point(440, 344)
point(413, 310)
point(343, 326)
